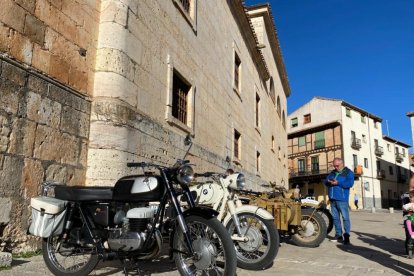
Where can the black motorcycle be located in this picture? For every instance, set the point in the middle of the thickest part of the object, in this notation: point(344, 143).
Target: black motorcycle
point(83, 225)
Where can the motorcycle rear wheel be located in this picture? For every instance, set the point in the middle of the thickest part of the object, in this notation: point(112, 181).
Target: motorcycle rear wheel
point(211, 242)
point(313, 234)
point(57, 261)
point(327, 216)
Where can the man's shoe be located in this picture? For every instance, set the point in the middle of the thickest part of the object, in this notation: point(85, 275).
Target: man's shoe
point(337, 239)
point(346, 238)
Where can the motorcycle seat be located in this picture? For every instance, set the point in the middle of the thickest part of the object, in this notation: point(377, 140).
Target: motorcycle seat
point(80, 193)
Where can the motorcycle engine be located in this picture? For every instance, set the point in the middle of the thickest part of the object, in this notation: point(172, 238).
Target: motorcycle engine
point(133, 233)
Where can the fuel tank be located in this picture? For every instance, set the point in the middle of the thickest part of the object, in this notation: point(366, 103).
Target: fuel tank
point(208, 193)
point(139, 188)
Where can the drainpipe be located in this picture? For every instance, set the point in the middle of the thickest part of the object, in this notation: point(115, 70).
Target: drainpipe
point(370, 157)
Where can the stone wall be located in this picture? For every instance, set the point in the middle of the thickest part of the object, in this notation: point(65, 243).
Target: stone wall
point(44, 130)
point(57, 37)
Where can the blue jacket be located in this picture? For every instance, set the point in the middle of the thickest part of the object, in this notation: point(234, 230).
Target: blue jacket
point(345, 182)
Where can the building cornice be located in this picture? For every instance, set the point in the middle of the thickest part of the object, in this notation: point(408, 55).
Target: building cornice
point(313, 129)
point(392, 140)
point(265, 10)
point(249, 36)
point(410, 114)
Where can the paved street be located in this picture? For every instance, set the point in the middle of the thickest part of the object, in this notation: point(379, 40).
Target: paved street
point(377, 249)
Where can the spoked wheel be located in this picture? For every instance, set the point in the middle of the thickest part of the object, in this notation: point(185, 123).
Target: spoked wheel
point(65, 260)
point(262, 244)
point(327, 217)
point(312, 230)
point(213, 249)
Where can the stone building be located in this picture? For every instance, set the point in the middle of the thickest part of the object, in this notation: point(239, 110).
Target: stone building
point(326, 128)
point(88, 85)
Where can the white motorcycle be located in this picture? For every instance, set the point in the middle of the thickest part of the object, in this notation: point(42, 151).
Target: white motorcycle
point(252, 228)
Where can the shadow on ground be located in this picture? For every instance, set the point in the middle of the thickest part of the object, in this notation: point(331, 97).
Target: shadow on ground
point(391, 246)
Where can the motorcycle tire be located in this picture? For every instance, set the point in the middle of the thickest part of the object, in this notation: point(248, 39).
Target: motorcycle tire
point(300, 238)
point(219, 232)
point(50, 258)
point(327, 216)
point(273, 247)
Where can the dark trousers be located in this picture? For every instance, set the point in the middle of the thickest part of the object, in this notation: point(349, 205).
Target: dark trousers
point(356, 204)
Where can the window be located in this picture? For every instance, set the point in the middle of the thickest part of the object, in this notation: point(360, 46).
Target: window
point(319, 140)
point(348, 112)
point(301, 165)
point(180, 98)
point(364, 138)
point(272, 90)
point(257, 161)
point(237, 142)
point(315, 164)
point(188, 10)
point(353, 135)
point(391, 170)
point(355, 159)
point(278, 109)
point(403, 152)
point(283, 119)
point(306, 119)
point(257, 107)
point(294, 122)
point(237, 72)
point(363, 119)
point(302, 141)
point(376, 124)
point(273, 142)
point(366, 163)
point(388, 147)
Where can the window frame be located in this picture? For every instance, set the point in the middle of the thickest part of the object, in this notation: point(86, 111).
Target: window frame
point(348, 112)
point(191, 15)
point(186, 76)
point(294, 120)
point(304, 141)
point(307, 118)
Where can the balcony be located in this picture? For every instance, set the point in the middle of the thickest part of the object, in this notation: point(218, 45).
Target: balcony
point(399, 157)
point(309, 171)
point(379, 150)
point(355, 143)
point(320, 144)
point(402, 178)
point(358, 170)
point(381, 174)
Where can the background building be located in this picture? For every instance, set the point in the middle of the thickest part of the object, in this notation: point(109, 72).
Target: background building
point(326, 128)
point(88, 85)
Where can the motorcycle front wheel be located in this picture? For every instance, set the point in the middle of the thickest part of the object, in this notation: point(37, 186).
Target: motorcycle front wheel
point(67, 260)
point(312, 231)
point(262, 246)
point(212, 246)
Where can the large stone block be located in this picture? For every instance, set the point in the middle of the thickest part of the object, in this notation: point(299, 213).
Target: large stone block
point(32, 177)
point(5, 130)
point(57, 172)
point(34, 29)
point(75, 122)
point(59, 68)
point(22, 137)
point(14, 73)
point(41, 59)
point(28, 5)
point(5, 259)
point(21, 47)
point(5, 207)
point(12, 15)
point(11, 168)
point(43, 110)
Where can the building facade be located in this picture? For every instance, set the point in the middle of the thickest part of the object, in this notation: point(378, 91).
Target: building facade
point(324, 129)
point(88, 85)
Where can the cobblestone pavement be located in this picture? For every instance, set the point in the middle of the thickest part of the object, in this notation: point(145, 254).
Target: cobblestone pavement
point(377, 249)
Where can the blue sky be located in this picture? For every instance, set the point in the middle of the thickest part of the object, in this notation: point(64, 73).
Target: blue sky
point(361, 51)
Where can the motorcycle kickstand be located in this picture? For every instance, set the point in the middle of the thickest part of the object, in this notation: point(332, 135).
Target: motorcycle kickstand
point(125, 268)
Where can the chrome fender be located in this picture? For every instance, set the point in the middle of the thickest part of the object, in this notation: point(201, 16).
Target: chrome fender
point(249, 209)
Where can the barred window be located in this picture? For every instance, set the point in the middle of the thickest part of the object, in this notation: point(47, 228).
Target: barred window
point(257, 110)
point(179, 98)
point(237, 64)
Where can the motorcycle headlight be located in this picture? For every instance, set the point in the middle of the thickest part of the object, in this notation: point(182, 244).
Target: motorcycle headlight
point(241, 181)
point(185, 174)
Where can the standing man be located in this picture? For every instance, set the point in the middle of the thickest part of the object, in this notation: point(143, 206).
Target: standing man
point(356, 198)
point(339, 181)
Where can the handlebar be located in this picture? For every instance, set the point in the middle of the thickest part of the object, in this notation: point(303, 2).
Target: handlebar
point(209, 174)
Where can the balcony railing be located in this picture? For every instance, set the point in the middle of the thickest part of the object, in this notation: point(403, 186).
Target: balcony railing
point(401, 178)
point(399, 157)
point(320, 144)
point(379, 150)
point(309, 171)
point(381, 174)
point(355, 143)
